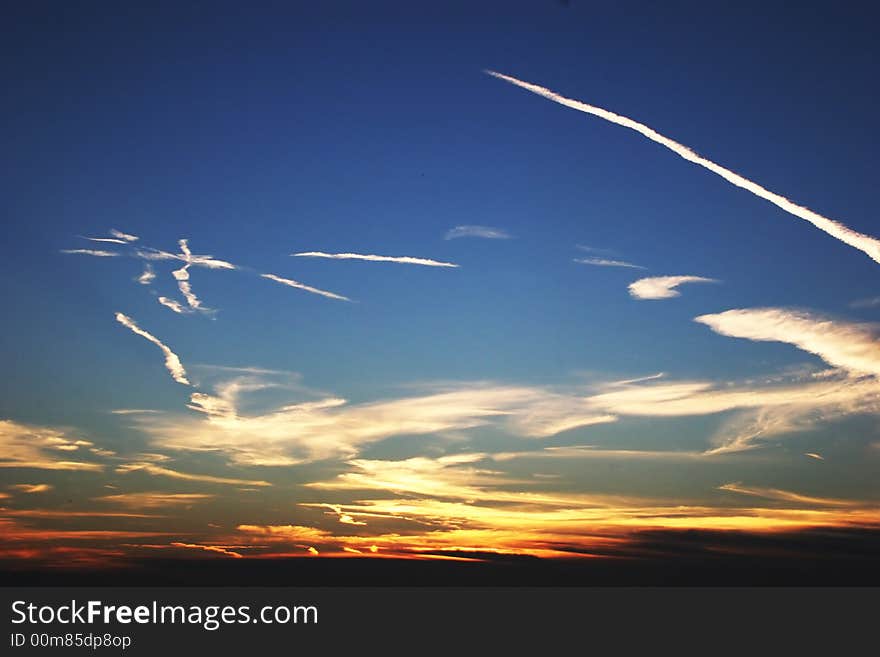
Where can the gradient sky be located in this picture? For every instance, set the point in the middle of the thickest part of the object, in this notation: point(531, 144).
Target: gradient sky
point(527, 400)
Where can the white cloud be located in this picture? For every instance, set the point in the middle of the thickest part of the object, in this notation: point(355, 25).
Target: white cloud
point(150, 500)
point(786, 496)
point(123, 236)
point(303, 286)
point(331, 427)
point(91, 252)
point(29, 446)
point(604, 262)
point(865, 243)
point(172, 362)
point(148, 275)
point(159, 471)
point(109, 240)
point(663, 287)
point(172, 304)
point(32, 488)
point(846, 345)
point(487, 232)
point(406, 260)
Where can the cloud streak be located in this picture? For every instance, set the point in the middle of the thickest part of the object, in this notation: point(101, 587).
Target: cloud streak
point(109, 240)
point(405, 260)
point(869, 245)
point(486, 232)
point(159, 471)
point(663, 287)
point(302, 286)
point(90, 252)
point(172, 304)
point(125, 237)
point(148, 275)
point(28, 446)
point(151, 499)
point(172, 362)
point(604, 262)
point(850, 346)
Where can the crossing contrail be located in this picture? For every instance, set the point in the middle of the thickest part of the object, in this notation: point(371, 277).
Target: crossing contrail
point(865, 243)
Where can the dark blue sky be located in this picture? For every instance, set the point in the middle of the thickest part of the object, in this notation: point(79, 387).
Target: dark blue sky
point(259, 131)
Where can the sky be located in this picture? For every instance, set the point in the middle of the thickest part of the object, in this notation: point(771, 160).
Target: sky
point(405, 279)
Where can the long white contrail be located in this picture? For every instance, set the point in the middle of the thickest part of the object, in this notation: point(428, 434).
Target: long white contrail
point(865, 243)
point(172, 362)
point(606, 262)
point(406, 260)
point(302, 286)
point(91, 252)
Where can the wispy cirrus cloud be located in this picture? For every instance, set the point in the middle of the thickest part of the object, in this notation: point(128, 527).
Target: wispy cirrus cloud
point(869, 302)
point(405, 260)
point(118, 234)
point(31, 488)
point(91, 252)
point(302, 286)
point(595, 249)
point(219, 549)
point(331, 427)
point(154, 499)
point(30, 446)
point(854, 347)
point(663, 287)
point(160, 471)
point(606, 262)
point(109, 240)
point(172, 362)
point(788, 496)
point(869, 245)
point(471, 230)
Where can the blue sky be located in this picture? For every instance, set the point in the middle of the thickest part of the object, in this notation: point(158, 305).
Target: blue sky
point(256, 133)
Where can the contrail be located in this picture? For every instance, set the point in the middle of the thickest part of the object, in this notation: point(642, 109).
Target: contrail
point(406, 260)
point(865, 243)
point(182, 277)
point(91, 252)
point(172, 362)
point(110, 240)
point(487, 232)
point(307, 288)
point(172, 304)
point(147, 276)
point(123, 236)
point(605, 262)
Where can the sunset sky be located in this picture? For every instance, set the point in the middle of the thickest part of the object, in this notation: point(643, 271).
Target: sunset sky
point(391, 280)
